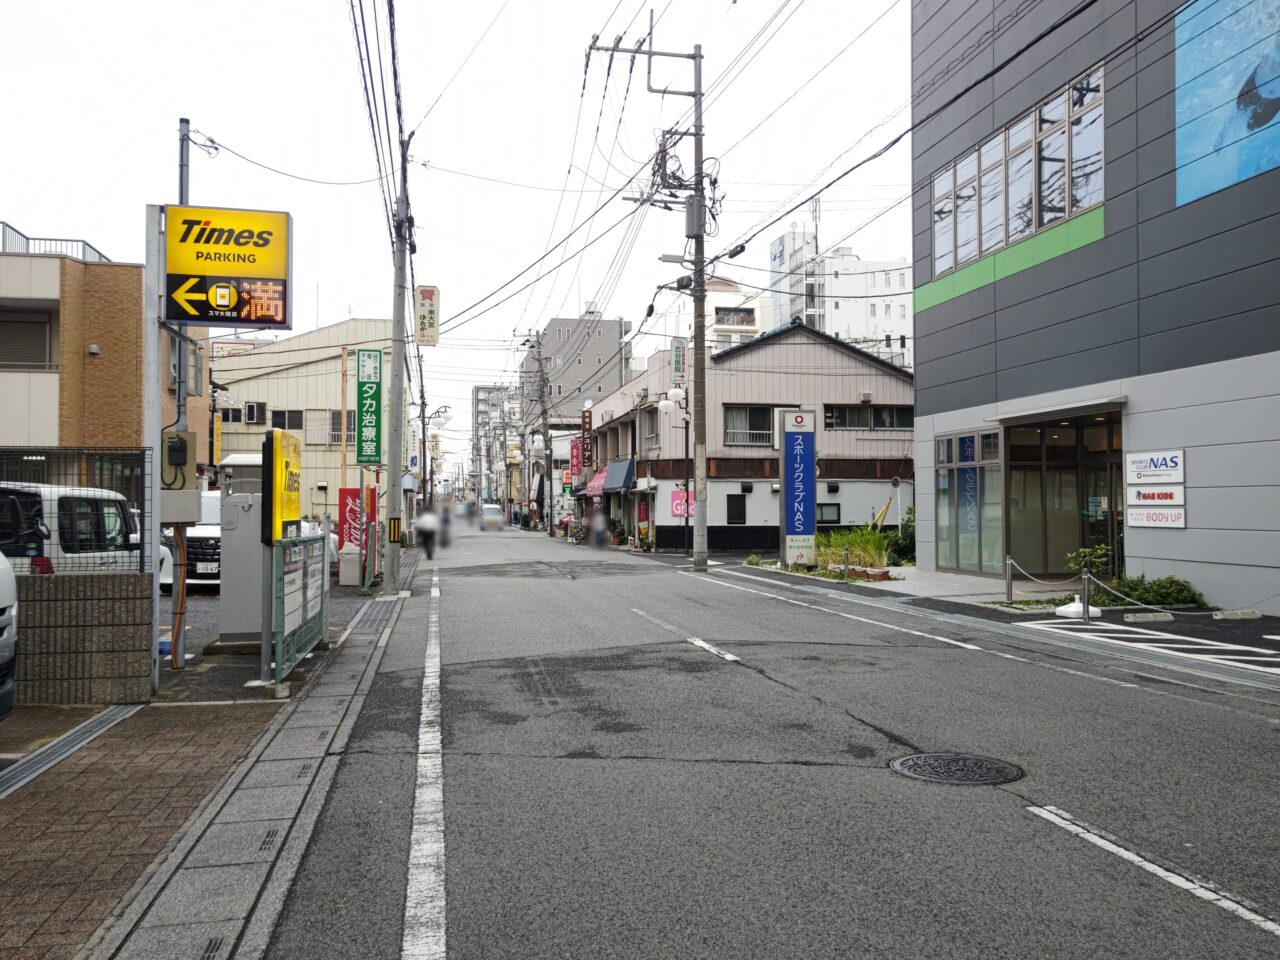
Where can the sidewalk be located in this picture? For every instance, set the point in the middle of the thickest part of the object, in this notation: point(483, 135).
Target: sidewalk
point(76, 839)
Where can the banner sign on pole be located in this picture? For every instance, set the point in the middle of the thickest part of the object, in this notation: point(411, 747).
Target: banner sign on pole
point(588, 460)
point(679, 360)
point(427, 316)
point(228, 268)
point(575, 456)
point(349, 530)
point(369, 406)
point(796, 463)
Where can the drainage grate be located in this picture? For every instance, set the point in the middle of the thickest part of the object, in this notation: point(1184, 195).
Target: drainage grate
point(305, 771)
point(956, 768)
point(31, 766)
point(269, 840)
point(375, 619)
point(212, 949)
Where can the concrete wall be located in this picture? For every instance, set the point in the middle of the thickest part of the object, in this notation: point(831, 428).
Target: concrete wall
point(1226, 417)
point(1167, 287)
point(84, 638)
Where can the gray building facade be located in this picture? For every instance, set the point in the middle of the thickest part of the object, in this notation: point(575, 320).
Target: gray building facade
point(584, 358)
point(1096, 242)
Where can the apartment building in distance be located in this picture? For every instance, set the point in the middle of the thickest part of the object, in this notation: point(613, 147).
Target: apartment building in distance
point(1097, 247)
point(582, 358)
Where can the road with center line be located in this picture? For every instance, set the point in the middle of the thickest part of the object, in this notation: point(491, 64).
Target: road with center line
point(636, 760)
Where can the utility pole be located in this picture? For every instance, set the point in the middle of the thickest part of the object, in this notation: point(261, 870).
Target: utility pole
point(544, 387)
point(178, 644)
point(695, 230)
point(395, 455)
point(343, 426)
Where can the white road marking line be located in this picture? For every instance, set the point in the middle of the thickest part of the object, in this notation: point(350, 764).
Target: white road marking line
point(1211, 650)
point(423, 935)
point(835, 613)
point(723, 655)
point(1226, 902)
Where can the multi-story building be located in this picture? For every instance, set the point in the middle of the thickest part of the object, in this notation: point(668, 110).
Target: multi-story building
point(495, 420)
point(581, 358)
point(71, 348)
point(296, 384)
point(865, 441)
point(1097, 236)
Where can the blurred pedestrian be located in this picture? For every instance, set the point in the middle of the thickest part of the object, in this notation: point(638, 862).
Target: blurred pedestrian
point(598, 525)
point(427, 525)
point(446, 521)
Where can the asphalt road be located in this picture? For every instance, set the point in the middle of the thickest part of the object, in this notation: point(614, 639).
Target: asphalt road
point(612, 789)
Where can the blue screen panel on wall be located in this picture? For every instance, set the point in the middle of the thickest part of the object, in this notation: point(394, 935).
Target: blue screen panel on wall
point(1228, 93)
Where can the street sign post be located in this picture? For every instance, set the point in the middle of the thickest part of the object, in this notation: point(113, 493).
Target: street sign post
point(679, 361)
point(228, 268)
point(796, 463)
point(369, 406)
point(427, 316)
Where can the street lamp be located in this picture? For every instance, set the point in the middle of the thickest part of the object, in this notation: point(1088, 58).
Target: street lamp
point(438, 418)
point(677, 397)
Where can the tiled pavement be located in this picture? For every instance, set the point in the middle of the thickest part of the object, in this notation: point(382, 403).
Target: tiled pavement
point(74, 841)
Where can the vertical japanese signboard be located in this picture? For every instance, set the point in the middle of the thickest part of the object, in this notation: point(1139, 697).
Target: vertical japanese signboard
point(349, 530)
point(796, 464)
point(282, 487)
point(588, 460)
point(427, 315)
point(575, 457)
point(369, 406)
point(679, 361)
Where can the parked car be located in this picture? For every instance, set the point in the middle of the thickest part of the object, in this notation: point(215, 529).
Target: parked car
point(15, 528)
point(94, 530)
point(492, 517)
point(204, 547)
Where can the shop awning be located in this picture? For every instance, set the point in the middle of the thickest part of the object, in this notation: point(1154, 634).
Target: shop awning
point(1078, 409)
point(596, 486)
point(620, 476)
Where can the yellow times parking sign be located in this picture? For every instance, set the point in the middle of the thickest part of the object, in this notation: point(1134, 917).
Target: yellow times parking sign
point(227, 267)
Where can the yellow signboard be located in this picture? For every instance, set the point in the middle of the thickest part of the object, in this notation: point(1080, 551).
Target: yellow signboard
point(282, 463)
point(227, 267)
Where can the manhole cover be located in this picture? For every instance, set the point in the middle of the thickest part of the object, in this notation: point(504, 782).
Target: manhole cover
point(956, 768)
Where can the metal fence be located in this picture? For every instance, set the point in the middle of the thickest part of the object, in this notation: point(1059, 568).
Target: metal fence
point(301, 585)
point(76, 509)
point(13, 240)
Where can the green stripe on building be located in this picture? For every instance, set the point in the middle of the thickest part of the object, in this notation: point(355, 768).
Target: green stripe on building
point(1040, 248)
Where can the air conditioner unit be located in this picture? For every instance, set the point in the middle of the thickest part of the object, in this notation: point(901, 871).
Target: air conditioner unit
point(865, 397)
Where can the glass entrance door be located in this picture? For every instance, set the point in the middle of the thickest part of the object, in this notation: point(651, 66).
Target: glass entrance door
point(1100, 509)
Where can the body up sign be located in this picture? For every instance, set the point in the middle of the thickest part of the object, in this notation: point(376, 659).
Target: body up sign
point(796, 471)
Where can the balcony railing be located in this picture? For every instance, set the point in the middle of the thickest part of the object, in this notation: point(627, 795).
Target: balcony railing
point(13, 240)
point(748, 438)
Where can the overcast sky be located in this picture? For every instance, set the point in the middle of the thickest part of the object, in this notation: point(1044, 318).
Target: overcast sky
point(94, 92)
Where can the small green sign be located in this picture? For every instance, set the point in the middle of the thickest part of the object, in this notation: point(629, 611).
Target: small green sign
point(369, 406)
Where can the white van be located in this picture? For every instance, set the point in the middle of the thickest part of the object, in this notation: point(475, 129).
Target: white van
point(91, 530)
point(8, 634)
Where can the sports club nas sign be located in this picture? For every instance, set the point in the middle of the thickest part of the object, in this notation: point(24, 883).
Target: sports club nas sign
point(1155, 492)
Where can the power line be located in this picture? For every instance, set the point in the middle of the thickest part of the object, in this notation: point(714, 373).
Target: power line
point(217, 145)
point(474, 47)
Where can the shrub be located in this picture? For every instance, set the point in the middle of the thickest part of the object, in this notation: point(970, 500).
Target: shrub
point(902, 542)
point(753, 560)
point(867, 546)
point(1160, 592)
point(1097, 559)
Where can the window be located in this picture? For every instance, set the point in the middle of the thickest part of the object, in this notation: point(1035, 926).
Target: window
point(335, 426)
point(652, 439)
point(598, 361)
point(231, 415)
point(873, 279)
point(579, 388)
point(255, 413)
point(736, 508)
point(873, 310)
point(559, 389)
point(892, 418)
point(286, 419)
point(748, 426)
point(902, 280)
point(902, 311)
point(828, 512)
point(599, 388)
point(847, 417)
point(886, 278)
point(1039, 170)
point(945, 448)
point(25, 340)
point(888, 311)
point(837, 304)
point(91, 526)
point(990, 446)
point(579, 361)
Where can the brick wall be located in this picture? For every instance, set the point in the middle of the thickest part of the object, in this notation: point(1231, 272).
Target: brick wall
point(84, 638)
